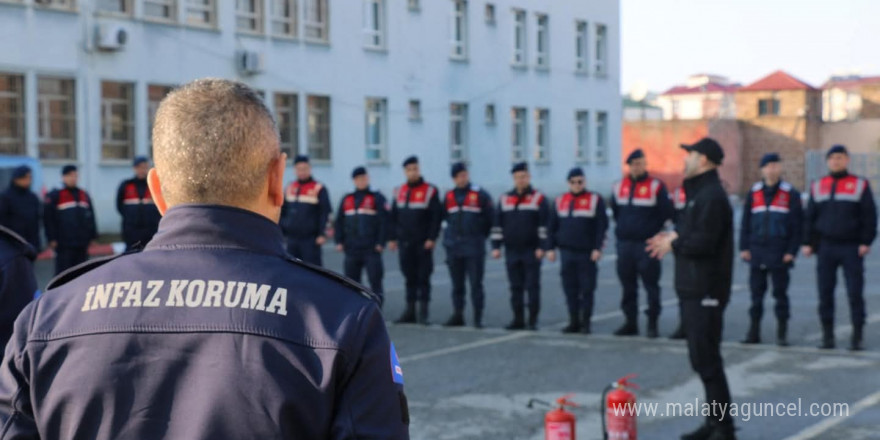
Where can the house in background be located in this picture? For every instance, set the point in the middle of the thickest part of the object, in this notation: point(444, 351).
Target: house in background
point(703, 96)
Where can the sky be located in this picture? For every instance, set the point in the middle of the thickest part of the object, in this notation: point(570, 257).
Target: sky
point(665, 41)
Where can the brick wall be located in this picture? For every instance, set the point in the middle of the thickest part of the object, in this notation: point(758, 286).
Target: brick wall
point(870, 101)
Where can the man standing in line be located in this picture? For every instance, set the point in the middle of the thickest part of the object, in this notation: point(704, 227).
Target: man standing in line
point(20, 208)
point(140, 218)
point(305, 214)
point(70, 221)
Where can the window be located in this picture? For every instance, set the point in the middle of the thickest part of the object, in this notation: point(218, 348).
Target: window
point(519, 38)
point(415, 110)
point(319, 127)
point(249, 16)
point(542, 49)
point(542, 135)
point(413, 5)
point(201, 12)
point(12, 114)
point(67, 5)
point(376, 132)
point(582, 120)
point(601, 137)
point(517, 134)
point(601, 68)
point(283, 13)
point(287, 114)
point(56, 112)
point(458, 132)
point(490, 13)
point(458, 37)
point(317, 21)
point(115, 6)
point(163, 10)
point(117, 140)
point(374, 24)
point(155, 95)
point(490, 114)
point(768, 107)
point(581, 46)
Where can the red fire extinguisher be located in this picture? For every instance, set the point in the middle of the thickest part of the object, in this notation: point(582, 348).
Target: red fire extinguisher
point(619, 421)
point(559, 424)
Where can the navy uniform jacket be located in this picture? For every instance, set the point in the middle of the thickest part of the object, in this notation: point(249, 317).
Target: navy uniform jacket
point(641, 208)
point(521, 221)
point(20, 210)
point(841, 209)
point(771, 223)
point(361, 223)
point(306, 209)
point(70, 218)
point(416, 213)
point(211, 332)
point(17, 282)
point(469, 215)
point(578, 222)
point(140, 217)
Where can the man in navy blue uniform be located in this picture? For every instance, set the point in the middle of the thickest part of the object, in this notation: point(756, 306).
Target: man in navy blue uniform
point(18, 285)
point(469, 215)
point(140, 218)
point(20, 208)
point(840, 225)
point(69, 219)
point(521, 226)
point(770, 235)
point(415, 220)
point(578, 223)
point(362, 230)
point(212, 331)
point(641, 208)
point(305, 214)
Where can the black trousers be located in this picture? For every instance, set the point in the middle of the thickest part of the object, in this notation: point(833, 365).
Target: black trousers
point(758, 283)
point(831, 257)
point(633, 262)
point(67, 257)
point(305, 249)
point(578, 281)
point(471, 268)
point(358, 260)
point(524, 275)
point(703, 327)
point(417, 265)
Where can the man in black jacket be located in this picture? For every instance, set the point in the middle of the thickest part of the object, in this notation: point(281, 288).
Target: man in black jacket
point(305, 213)
point(18, 285)
point(703, 247)
point(20, 208)
point(140, 217)
point(69, 219)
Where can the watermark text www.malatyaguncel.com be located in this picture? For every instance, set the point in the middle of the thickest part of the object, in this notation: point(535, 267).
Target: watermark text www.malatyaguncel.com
point(743, 411)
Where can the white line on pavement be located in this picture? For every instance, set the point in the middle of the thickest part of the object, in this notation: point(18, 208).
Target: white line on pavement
point(826, 424)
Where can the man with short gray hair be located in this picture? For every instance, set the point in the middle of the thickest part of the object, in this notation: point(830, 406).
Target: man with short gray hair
point(212, 331)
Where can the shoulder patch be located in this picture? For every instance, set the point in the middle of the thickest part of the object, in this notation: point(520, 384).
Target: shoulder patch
point(19, 242)
point(785, 186)
point(757, 186)
point(359, 288)
point(76, 271)
point(475, 188)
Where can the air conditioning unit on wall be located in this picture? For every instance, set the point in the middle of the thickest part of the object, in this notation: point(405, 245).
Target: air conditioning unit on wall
point(249, 62)
point(111, 37)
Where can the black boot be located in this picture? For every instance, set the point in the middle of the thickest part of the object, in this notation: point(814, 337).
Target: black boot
point(678, 333)
point(586, 317)
point(518, 323)
point(722, 432)
point(855, 343)
point(478, 319)
point(701, 433)
point(533, 319)
point(456, 320)
point(827, 337)
point(409, 315)
point(423, 313)
point(629, 328)
point(652, 332)
point(754, 334)
point(574, 323)
point(782, 333)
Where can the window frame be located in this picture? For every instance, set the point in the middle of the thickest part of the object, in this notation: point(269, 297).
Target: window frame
point(519, 57)
point(374, 16)
point(17, 119)
point(600, 60)
point(254, 17)
point(315, 127)
point(107, 109)
point(290, 108)
point(458, 38)
point(45, 119)
point(602, 134)
point(458, 114)
point(321, 26)
point(278, 19)
point(582, 46)
point(582, 136)
point(59, 5)
point(128, 9)
point(172, 10)
point(198, 6)
point(518, 131)
point(542, 135)
point(415, 110)
point(376, 114)
point(774, 109)
point(542, 38)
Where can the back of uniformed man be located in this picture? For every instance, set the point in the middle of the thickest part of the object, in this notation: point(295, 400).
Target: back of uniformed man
point(17, 282)
point(211, 332)
point(20, 208)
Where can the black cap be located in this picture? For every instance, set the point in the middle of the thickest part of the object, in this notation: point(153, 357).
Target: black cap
point(300, 158)
point(575, 172)
point(21, 171)
point(638, 154)
point(457, 168)
point(519, 166)
point(139, 160)
point(707, 147)
point(769, 158)
point(67, 169)
point(410, 160)
point(836, 149)
point(359, 171)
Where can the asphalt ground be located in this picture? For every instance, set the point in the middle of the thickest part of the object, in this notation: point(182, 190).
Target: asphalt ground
point(475, 384)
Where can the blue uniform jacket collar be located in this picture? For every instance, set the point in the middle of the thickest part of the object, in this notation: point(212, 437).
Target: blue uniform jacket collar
point(217, 226)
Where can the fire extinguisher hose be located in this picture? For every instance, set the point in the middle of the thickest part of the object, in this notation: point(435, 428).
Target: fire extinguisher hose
point(604, 409)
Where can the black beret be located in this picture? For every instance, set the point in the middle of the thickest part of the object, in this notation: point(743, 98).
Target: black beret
point(301, 158)
point(638, 154)
point(410, 160)
point(67, 169)
point(519, 166)
point(457, 168)
point(359, 171)
point(575, 172)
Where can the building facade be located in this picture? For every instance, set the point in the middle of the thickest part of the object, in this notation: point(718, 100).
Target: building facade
point(704, 96)
point(351, 82)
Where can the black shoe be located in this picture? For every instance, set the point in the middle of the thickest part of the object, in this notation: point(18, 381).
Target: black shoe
point(408, 316)
point(478, 319)
point(827, 337)
point(532, 327)
point(678, 333)
point(456, 320)
point(652, 332)
point(574, 324)
point(722, 432)
point(629, 328)
point(855, 343)
point(782, 333)
point(423, 313)
point(533, 320)
point(515, 325)
point(754, 334)
point(701, 433)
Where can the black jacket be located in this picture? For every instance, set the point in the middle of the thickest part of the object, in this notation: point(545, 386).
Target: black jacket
point(704, 247)
point(17, 282)
point(469, 214)
point(140, 217)
point(841, 210)
point(641, 208)
point(771, 223)
point(578, 222)
point(70, 218)
point(306, 209)
point(416, 213)
point(21, 211)
point(362, 221)
point(521, 221)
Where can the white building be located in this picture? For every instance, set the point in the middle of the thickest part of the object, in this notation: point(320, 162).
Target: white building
point(842, 97)
point(351, 82)
point(704, 96)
